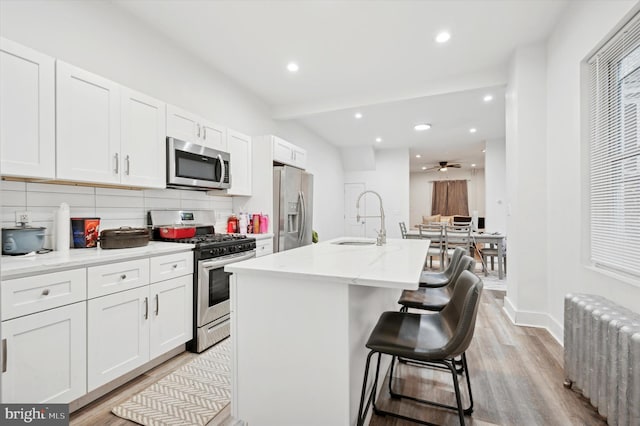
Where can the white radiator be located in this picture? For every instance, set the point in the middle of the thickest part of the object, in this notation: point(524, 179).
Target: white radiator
point(602, 356)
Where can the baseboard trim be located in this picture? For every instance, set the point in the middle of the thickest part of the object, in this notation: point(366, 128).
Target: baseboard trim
point(534, 319)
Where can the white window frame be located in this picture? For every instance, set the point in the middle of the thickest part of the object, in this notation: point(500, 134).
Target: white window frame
point(614, 153)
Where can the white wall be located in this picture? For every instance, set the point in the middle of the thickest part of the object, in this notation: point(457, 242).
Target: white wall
point(102, 38)
point(527, 185)
point(391, 180)
point(495, 185)
point(582, 28)
point(421, 191)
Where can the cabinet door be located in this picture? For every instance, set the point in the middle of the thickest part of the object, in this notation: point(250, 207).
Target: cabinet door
point(142, 144)
point(299, 157)
point(27, 112)
point(183, 125)
point(264, 247)
point(171, 315)
point(239, 146)
point(118, 335)
point(214, 136)
point(282, 151)
point(46, 356)
point(88, 126)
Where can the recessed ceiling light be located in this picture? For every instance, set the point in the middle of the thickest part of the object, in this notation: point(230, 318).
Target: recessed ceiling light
point(487, 98)
point(443, 37)
point(421, 127)
point(473, 165)
point(473, 130)
point(378, 140)
point(484, 150)
point(358, 115)
point(418, 155)
point(424, 167)
point(293, 67)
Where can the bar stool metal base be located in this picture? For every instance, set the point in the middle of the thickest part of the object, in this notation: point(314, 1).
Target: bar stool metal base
point(449, 364)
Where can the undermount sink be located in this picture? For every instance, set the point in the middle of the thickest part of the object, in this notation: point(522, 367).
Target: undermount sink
point(354, 243)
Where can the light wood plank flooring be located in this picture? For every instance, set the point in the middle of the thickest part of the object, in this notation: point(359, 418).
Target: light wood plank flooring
point(516, 375)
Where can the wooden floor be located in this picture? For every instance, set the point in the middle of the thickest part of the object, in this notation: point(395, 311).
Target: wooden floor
point(516, 375)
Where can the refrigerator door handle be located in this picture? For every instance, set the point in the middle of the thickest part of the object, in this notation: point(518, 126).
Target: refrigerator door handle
point(303, 213)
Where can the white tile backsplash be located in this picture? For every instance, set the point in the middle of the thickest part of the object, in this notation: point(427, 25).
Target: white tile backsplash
point(115, 207)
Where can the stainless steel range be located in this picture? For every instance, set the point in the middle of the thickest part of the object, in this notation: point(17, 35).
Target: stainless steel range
point(210, 282)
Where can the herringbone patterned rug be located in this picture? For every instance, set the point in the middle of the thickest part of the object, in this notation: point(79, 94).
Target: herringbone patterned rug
point(191, 395)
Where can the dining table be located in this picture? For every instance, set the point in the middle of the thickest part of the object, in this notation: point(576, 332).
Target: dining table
point(493, 239)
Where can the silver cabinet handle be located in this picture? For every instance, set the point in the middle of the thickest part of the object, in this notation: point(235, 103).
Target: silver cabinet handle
point(117, 161)
point(4, 355)
point(157, 304)
point(198, 130)
point(146, 308)
point(45, 292)
point(123, 276)
point(128, 165)
point(204, 133)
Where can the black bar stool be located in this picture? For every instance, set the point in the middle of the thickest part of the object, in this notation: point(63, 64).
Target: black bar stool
point(440, 279)
point(435, 298)
point(426, 338)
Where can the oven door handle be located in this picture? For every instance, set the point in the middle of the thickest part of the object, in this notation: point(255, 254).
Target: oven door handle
point(217, 263)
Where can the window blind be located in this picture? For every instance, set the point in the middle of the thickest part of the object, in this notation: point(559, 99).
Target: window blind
point(614, 110)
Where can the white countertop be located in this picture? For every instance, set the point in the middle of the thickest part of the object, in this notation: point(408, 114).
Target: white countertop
point(397, 264)
point(19, 266)
point(260, 236)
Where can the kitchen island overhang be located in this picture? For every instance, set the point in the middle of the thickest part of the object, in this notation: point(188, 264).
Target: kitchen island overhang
point(300, 321)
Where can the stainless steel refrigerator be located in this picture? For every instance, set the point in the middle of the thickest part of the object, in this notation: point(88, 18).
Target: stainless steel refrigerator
point(292, 208)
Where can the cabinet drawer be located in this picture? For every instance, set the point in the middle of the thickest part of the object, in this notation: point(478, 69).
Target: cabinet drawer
point(23, 296)
point(108, 279)
point(264, 247)
point(171, 266)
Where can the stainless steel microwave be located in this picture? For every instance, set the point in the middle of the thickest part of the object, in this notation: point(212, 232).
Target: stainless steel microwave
point(191, 166)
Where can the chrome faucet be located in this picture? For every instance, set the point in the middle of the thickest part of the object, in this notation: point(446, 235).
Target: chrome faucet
point(382, 233)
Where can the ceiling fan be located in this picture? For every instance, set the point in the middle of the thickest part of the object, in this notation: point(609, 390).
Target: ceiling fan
point(444, 165)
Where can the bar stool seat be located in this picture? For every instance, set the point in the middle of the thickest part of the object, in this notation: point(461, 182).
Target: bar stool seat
point(415, 336)
point(435, 298)
point(440, 279)
point(430, 299)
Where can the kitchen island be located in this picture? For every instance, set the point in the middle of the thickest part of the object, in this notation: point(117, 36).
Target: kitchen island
point(299, 323)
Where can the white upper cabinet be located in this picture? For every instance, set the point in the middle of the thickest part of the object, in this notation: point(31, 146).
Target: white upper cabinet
point(27, 112)
point(287, 153)
point(239, 146)
point(214, 136)
point(88, 126)
point(182, 125)
point(189, 127)
point(108, 133)
point(142, 146)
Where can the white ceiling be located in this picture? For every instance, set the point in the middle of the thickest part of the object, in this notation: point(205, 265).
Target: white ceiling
point(375, 56)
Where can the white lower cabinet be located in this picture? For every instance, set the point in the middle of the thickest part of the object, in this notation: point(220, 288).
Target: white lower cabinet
point(129, 328)
point(118, 339)
point(171, 319)
point(45, 356)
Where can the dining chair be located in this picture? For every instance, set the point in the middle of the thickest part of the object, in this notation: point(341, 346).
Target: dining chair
point(433, 232)
point(403, 230)
point(457, 236)
point(488, 253)
point(434, 338)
